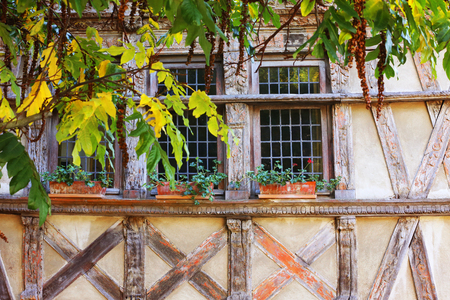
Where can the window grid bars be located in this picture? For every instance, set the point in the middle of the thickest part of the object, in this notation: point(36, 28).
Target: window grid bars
point(194, 144)
point(198, 84)
point(310, 84)
point(282, 158)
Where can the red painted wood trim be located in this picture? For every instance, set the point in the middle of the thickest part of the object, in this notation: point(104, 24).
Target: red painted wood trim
point(83, 261)
point(186, 268)
point(295, 266)
point(172, 256)
point(272, 285)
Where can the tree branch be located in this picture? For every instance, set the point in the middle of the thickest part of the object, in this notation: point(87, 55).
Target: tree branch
point(25, 121)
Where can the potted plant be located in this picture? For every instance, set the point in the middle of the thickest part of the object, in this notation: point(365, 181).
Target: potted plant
point(71, 180)
point(283, 183)
point(200, 186)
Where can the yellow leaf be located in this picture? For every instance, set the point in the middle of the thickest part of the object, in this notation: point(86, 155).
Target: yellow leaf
point(154, 24)
point(102, 68)
point(213, 126)
point(36, 28)
point(157, 113)
point(201, 104)
point(38, 98)
point(127, 56)
point(156, 67)
point(107, 104)
point(50, 59)
point(179, 37)
point(6, 113)
point(76, 153)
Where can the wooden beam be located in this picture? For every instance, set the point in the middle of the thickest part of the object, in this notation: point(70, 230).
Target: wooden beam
point(134, 279)
point(343, 146)
point(347, 253)
point(393, 154)
point(392, 259)
point(189, 266)
point(295, 266)
point(433, 155)
point(240, 282)
point(318, 244)
point(272, 285)
point(427, 80)
point(5, 288)
point(420, 267)
point(68, 250)
point(172, 256)
point(32, 259)
point(83, 261)
point(434, 107)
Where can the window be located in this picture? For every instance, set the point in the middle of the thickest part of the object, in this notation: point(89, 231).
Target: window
point(195, 78)
point(289, 80)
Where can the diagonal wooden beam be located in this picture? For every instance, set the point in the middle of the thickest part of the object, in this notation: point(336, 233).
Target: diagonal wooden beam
point(427, 80)
point(272, 285)
point(392, 150)
point(172, 256)
point(433, 156)
point(392, 259)
point(420, 267)
point(292, 264)
point(187, 267)
point(5, 287)
point(434, 107)
point(68, 250)
point(319, 243)
point(83, 261)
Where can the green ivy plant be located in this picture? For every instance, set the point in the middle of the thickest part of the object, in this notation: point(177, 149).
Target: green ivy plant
point(202, 180)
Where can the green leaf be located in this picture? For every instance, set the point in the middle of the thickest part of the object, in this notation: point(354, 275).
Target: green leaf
point(101, 154)
point(307, 6)
point(343, 24)
point(206, 46)
point(23, 5)
point(78, 5)
point(446, 62)
point(190, 12)
point(37, 27)
point(141, 127)
point(153, 158)
point(347, 8)
point(381, 20)
point(375, 40)
point(373, 54)
point(145, 141)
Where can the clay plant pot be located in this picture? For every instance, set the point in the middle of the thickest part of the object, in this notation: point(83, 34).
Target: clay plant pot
point(78, 187)
point(164, 191)
point(298, 190)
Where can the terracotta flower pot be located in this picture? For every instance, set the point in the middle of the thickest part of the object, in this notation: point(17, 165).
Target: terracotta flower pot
point(164, 191)
point(290, 190)
point(78, 187)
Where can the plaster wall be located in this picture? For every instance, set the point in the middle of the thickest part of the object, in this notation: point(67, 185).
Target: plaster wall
point(441, 76)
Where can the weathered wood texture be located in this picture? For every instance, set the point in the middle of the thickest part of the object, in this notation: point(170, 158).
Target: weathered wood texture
point(272, 285)
point(39, 150)
point(188, 266)
point(347, 253)
point(239, 270)
point(343, 146)
point(172, 256)
point(433, 155)
point(427, 80)
point(320, 242)
point(420, 267)
point(392, 259)
point(393, 154)
point(235, 84)
point(434, 107)
point(68, 250)
point(134, 281)
point(32, 255)
point(238, 119)
point(83, 261)
point(5, 287)
point(293, 265)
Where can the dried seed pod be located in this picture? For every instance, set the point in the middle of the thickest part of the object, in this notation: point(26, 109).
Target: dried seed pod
point(242, 29)
point(381, 66)
point(3, 237)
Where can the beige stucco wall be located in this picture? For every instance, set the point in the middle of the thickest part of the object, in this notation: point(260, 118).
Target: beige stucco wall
point(441, 76)
point(11, 252)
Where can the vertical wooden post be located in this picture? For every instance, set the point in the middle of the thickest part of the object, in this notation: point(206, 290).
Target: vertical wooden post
point(343, 151)
point(134, 280)
point(239, 261)
point(347, 281)
point(32, 263)
point(136, 171)
point(5, 287)
point(238, 118)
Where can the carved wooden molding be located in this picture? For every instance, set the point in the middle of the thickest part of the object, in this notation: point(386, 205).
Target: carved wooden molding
point(420, 267)
point(185, 267)
point(5, 288)
point(32, 261)
point(433, 155)
point(340, 76)
point(343, 146)
point(347, 253)
point(240, 241)
point(428, 82)
point(134, 279)
point(292, 265)
point(393, 257)
point(434, 107)
point(235, 84)
point(83, 261)
point(393, 154)
point(68, 250)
